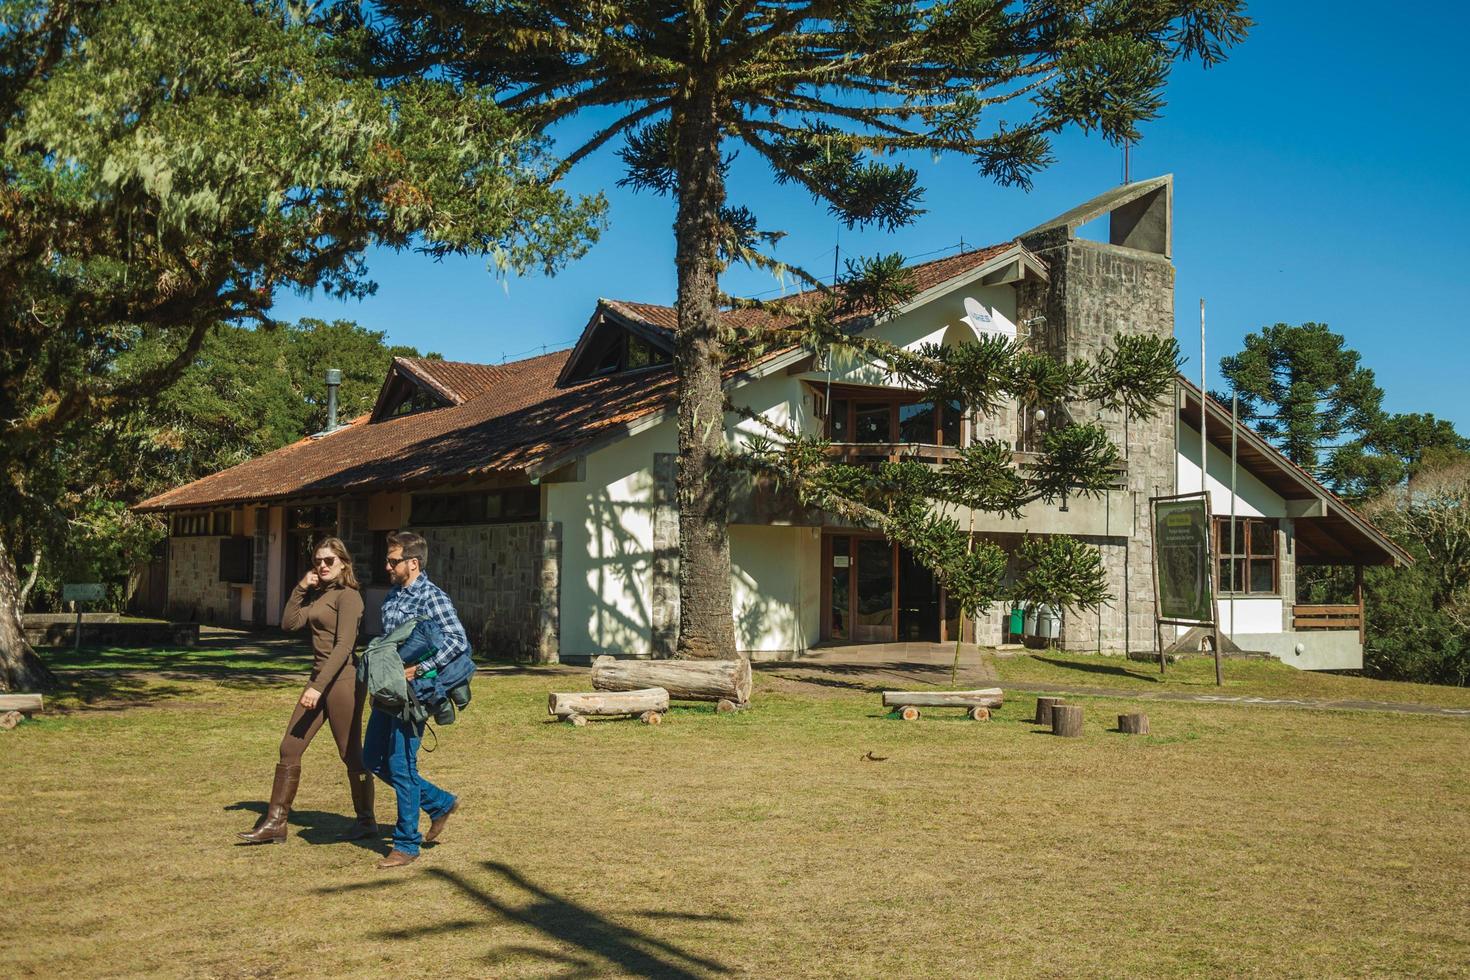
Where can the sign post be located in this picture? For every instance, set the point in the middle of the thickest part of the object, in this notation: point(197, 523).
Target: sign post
point(1184, 570)
point(77, 593)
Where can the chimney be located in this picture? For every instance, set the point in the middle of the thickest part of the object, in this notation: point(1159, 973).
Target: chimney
point(334, 378)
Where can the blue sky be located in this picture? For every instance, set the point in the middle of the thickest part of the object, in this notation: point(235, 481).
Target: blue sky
point(1319, 175)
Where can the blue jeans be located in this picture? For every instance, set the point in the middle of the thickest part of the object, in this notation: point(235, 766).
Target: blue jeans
point(390, 751)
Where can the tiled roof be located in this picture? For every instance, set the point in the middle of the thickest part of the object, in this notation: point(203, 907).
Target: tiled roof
point(502, 418)
point(520, 420)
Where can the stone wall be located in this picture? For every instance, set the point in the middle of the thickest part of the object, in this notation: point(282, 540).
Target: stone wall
point(1286, 570)
point(352, 528)
point(259, 577)
point(195, 593)
point(505, 580)
point(1097, 291)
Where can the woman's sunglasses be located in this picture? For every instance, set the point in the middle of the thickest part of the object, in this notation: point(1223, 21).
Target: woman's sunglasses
point(328, 561)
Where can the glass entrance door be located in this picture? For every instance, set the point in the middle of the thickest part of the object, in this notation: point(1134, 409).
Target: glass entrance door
point(873, 612)
point(875, 592)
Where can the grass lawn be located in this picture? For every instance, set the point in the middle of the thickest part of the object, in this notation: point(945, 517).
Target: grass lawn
point(1196, 675)
point(1235, 840)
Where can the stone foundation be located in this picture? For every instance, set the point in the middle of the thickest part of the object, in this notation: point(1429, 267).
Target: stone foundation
point(505, 581)
point(195, 593)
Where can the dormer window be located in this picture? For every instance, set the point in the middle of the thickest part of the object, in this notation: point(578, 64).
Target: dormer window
point(405, 393)
point(612, 346)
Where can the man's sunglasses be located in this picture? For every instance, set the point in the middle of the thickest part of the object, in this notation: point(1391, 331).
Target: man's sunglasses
point(326, 562)
point(395, 562)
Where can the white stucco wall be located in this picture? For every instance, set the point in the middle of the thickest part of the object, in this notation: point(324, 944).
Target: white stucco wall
point(1250, 615)
point(607, 547)
point(776, 588)
point(1252, 497)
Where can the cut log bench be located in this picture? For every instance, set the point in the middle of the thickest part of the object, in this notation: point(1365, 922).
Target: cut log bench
point(725, 682)
point(575, 707)
point(977, 704)
point(13, 707)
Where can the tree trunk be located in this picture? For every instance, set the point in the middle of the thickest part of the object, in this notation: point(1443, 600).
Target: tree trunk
point(685, 681)
point(607, 703)
point(20, 668)
point(706, 616)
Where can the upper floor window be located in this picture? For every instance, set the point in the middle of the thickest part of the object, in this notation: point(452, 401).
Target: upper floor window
point(490, 507)
point(1248, 563)
point(880, 420)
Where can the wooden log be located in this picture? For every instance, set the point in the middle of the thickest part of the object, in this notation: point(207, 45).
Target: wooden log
point(1066, 720)
point(24, 703)
point(1134, 724)
point(726, 706)
point(685, 680)
point(987, 697)
point(979, 714)
point(908, 712)
point(563, 704)
point(651, 718)
point(9, 720)
point(1043, 709)
point(576, 720)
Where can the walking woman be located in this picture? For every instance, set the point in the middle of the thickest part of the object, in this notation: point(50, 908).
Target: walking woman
point(328, 601)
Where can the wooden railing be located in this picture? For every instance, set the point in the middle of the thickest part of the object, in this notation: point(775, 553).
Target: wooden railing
point(881, 452)
point(1327, 617)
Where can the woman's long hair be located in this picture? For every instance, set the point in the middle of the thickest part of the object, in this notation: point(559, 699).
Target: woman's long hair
point(348, 578)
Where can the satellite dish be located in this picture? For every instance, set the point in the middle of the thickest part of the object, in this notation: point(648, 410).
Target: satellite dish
point(977, 316)
point(986, 322)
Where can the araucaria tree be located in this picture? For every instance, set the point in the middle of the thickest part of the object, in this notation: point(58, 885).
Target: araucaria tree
point(819, 91)
point(166, 167)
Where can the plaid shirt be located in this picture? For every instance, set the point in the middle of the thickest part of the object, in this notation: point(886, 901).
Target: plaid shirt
point(424, 598)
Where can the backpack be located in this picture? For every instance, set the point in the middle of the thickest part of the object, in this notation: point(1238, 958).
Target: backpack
point(380, 668)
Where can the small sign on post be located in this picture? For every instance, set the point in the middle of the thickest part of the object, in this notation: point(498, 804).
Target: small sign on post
point(77, 593)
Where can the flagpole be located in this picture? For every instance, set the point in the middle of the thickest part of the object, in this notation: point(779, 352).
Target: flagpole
point(1203, 486)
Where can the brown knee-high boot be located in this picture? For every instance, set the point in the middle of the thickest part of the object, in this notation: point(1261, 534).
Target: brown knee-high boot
point(366, 824)
point(271, 828)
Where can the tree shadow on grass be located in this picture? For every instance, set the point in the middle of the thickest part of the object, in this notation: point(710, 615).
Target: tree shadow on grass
point(508, 895)
point(316, 826)
point(1090, 668)
point(108, 691)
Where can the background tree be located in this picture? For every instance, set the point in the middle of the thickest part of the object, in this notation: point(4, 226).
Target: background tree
point(819, 92)
point(166, 167)
point(1419, 617)
point(249, 391)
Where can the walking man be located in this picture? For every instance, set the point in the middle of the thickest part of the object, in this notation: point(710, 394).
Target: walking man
point(391, 745)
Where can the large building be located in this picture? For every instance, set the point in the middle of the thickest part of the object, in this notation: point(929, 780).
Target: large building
point(545, 487)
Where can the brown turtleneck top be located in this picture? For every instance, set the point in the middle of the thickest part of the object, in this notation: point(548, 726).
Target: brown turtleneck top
point(333, 613)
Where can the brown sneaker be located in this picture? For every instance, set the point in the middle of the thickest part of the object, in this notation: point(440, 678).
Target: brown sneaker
point(436, 826)
point(397, 859)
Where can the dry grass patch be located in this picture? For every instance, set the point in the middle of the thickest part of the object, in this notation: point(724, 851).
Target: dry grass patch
point(1233, 840)
point(1196, 675)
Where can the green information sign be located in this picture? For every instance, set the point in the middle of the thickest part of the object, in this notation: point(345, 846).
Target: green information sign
point(1182, 560)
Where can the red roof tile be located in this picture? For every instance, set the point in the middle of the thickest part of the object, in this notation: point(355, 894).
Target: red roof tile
point(502, 418)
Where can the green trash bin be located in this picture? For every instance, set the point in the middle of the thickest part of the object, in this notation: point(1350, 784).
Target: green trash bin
point(1018, 620)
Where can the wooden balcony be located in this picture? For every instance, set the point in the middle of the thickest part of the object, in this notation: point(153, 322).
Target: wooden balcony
point(859, 453)
point(1336, 617)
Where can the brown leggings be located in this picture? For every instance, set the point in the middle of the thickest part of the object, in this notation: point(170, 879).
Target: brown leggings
point(341, 707)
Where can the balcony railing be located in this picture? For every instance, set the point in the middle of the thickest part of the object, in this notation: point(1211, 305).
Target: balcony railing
point(858, 453)
point(1337, 617)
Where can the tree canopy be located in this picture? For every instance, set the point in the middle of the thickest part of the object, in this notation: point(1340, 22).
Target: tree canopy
point(168, 167)
point(829, 96)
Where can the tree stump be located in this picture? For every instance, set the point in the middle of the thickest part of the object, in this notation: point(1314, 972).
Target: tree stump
point(978, 713)
point(652, 718)
point(1043, 709)
point(908, 713)
point(1134, 724)
point(1066, 720)
point(10, 719)
point(576, 720)
point(726, 706)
